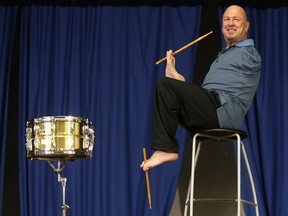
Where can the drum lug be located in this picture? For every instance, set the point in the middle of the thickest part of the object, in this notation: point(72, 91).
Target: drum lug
point(36, 131)
point(72, 129)
point(71, 137)
point(28, 139)
point(53, 134)
point(85, 131)
point(88, 137)
point(92, 136)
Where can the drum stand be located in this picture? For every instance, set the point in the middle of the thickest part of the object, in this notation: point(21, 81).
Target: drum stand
point(62, 180)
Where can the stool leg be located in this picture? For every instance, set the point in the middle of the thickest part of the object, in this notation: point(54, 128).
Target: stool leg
point(238, 174)
point(187, 199)
point(192, 174)
point(251, 179)
point(189, 187)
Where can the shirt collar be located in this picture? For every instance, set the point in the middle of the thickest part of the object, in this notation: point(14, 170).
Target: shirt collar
point(247, 42)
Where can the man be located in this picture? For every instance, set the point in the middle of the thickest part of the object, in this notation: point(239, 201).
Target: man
point(223, 99)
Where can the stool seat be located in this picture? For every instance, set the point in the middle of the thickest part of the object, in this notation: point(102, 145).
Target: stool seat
point(223, 132)
point(215, 135)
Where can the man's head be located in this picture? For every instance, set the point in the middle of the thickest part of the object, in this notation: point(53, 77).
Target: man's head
point(234, 25)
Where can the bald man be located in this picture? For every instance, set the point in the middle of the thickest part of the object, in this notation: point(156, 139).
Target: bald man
point(223, 99)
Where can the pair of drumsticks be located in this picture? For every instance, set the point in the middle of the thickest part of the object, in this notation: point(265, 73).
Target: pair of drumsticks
point(144, 150)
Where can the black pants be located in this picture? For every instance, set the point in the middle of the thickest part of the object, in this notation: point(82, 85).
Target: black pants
point(178, 102)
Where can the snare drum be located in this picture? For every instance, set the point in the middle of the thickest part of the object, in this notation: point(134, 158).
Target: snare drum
point(59, 138)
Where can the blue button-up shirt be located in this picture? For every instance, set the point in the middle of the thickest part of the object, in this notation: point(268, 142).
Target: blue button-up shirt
point(234, 75)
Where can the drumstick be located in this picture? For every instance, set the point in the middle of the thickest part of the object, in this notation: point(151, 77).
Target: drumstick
point(185, 47)
point(147, 180)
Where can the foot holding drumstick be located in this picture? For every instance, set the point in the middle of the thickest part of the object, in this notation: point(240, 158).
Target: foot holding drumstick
point(158, 158)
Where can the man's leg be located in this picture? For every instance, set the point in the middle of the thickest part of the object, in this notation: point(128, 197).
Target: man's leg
point(178, 102)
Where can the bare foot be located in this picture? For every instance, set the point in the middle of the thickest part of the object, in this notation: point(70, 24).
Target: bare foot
point(158, 158)
point(170, 70)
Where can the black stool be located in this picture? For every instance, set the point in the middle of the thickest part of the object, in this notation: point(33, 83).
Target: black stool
point(229, 135)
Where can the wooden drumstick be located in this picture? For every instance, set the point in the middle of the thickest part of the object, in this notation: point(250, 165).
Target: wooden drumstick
point(147, 180)
point(185, 47)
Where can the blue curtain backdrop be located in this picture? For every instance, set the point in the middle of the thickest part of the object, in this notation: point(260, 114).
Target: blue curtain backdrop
point(99, 63)
point(7, 27)
point(268, 118)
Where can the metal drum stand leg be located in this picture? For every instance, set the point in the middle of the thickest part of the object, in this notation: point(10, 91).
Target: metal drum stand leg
point(62, 180)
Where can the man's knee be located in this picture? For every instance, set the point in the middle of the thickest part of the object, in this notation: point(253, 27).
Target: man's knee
point(163, 83)
point(162, 86)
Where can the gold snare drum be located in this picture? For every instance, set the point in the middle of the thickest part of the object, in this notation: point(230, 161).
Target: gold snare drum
point(59, 138)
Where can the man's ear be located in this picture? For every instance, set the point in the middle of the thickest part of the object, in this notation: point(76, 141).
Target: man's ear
point(247, 25)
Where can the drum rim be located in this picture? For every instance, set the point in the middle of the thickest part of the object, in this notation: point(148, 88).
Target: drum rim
point(76, 154)
point(59, 118)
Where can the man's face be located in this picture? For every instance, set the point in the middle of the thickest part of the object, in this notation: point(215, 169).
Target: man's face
point(234, 25)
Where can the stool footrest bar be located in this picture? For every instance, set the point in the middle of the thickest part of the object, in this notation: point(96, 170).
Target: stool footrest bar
point(248, 202)
point(215, 200)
